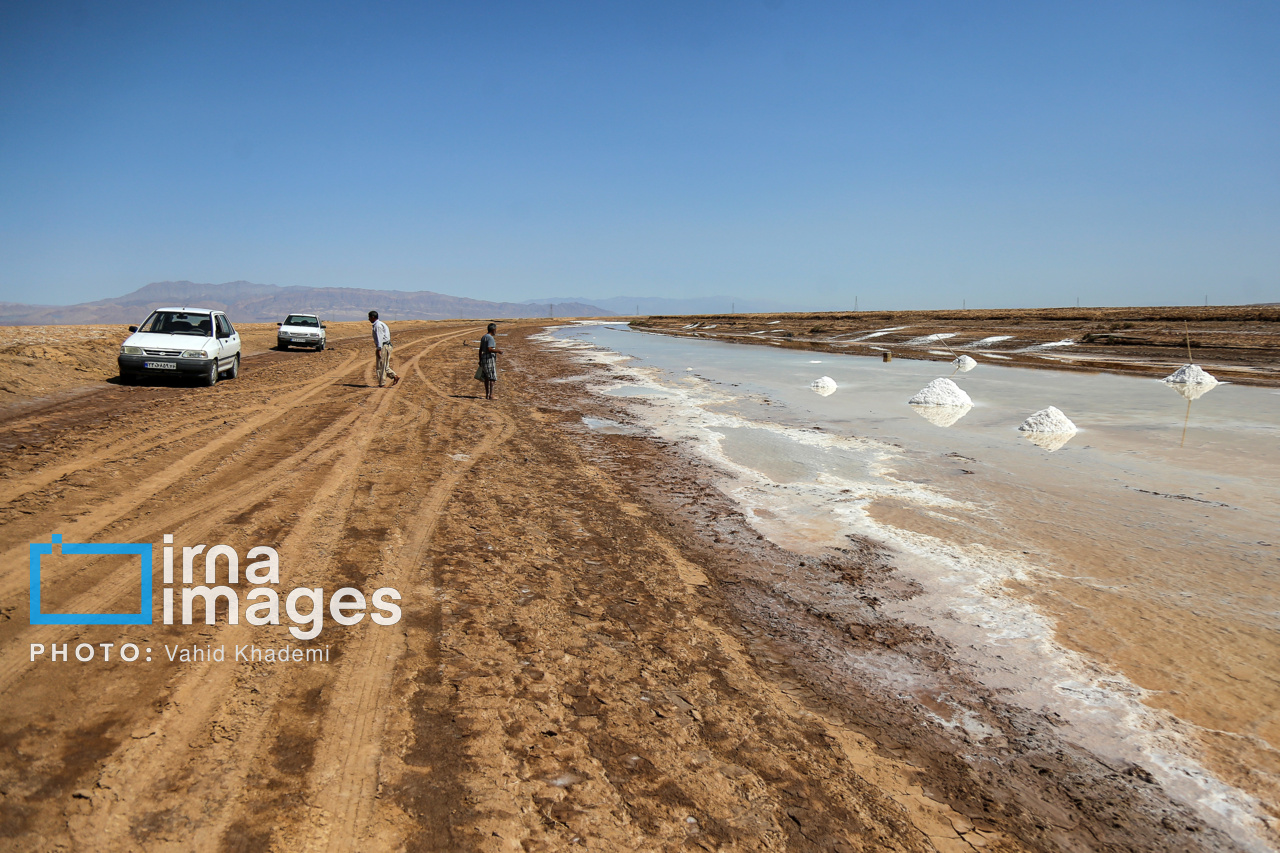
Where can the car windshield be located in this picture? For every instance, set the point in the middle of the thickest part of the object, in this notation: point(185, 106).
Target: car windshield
point(179, 323)
point(302, 320)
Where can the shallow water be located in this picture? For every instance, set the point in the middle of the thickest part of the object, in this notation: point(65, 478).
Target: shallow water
point(1129, 580)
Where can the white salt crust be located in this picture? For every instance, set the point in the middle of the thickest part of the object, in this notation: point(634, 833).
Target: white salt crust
point(965, 363)
point(941, 392)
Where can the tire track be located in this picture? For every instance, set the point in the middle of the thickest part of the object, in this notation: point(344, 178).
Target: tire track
point(119, 447)
point(19, 488)
point(82, 530)
point(345, 783)
point(197, 403)
point(207, 696)
point(14, 660)
point(276, 411)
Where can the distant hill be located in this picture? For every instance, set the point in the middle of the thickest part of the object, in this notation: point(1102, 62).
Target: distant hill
point(649, 305)
point(246, 302)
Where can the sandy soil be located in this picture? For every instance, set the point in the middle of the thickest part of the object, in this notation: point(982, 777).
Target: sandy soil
point(1235, 343)
point(595, 650)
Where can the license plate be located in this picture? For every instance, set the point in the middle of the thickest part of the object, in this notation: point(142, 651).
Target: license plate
point(160, 365)
point(301, 341)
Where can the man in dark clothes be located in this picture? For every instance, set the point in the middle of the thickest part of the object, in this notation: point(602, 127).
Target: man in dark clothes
point(488, 360)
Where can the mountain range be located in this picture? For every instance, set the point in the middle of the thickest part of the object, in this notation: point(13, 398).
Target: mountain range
point(246, 302)
point(651, 305)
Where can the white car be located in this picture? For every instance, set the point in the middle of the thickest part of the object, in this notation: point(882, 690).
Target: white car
point(301, 330)
point(198, 342)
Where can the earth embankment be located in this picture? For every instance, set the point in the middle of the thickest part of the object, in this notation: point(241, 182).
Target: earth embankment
point(1235, 343)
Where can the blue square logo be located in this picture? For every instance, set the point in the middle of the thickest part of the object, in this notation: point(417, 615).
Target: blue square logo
point(142, 617)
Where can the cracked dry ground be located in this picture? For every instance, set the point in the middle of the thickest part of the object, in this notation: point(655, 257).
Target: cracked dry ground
point(595, 650)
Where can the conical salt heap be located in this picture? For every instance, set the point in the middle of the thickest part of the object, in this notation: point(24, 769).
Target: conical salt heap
point(941, 392)
point(1190, 374)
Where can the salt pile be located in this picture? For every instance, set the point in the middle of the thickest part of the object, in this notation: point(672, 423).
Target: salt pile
point(1190, 374)
point(964, 363)
point(941, 392)
point(826, 386)
point(1050, 420)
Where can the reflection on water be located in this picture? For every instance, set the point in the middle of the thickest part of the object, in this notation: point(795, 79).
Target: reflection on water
point(825, 387)
point(941, 416)
point(1192, 392)
point(610, 427)
point(1049, 441)
point(636, 391)
point(1129, 581)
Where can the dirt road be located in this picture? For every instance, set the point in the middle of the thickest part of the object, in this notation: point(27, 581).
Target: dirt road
point(594, 649)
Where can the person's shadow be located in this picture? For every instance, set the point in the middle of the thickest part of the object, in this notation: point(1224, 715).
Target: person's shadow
point(464, 397)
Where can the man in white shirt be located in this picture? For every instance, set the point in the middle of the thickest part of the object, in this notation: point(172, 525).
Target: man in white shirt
point(382, 344)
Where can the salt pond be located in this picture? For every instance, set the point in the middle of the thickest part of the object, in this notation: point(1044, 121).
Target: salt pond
point(1130, 581)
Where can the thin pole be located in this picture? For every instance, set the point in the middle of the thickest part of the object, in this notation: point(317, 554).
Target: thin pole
point(1188, 328)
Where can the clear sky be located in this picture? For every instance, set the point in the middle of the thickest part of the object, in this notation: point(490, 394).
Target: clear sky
point(912, 154)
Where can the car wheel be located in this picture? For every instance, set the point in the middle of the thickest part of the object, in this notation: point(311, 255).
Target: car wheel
point(235, 367)
point(128, 378)
point(210, 377)
point(320, 348)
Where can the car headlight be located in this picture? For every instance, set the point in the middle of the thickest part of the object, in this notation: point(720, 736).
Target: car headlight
point(131, 350)
point(195, 353)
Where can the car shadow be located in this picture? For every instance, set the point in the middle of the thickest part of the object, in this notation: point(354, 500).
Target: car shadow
point(155, 382)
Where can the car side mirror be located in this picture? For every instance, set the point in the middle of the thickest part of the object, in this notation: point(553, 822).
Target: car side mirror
point(323, 326)
point(279, 324)
point(133, 328)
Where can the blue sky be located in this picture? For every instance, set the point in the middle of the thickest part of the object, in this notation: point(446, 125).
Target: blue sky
point(915, 155)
